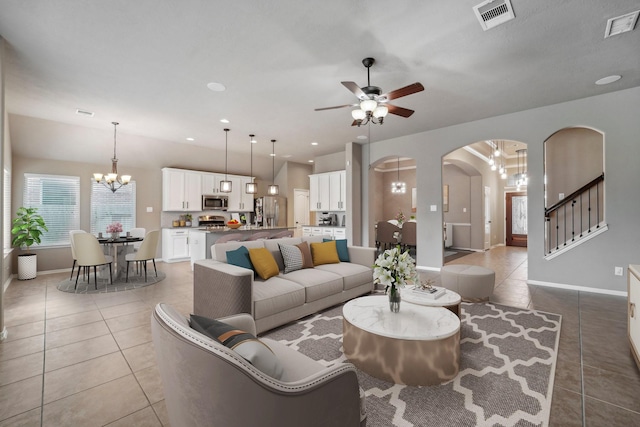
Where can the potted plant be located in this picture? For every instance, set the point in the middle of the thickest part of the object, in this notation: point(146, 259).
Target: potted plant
point(27, 228)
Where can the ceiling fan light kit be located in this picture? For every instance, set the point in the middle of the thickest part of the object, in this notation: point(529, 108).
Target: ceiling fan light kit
point(373, 105)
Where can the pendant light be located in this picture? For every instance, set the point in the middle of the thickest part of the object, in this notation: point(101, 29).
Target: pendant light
point(398, 186)
point(111, 180)
point(251, 187)
point(273, 189)
point(225, 186)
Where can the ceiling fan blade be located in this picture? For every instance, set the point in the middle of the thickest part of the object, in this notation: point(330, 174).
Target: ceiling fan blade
point(337, 106)
point(404, 91)
point(399, 111)
point(353, 87)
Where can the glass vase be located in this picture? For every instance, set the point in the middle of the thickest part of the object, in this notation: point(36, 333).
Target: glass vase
point(394, 299)
point(115, 235)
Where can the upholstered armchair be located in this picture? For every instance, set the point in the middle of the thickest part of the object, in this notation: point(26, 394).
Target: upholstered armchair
point(208, 384)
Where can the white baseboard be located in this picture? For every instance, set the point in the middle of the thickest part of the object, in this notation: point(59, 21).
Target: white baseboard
point(577, 288)
point(420, 267)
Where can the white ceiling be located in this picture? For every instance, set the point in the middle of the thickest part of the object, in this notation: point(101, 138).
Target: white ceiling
point(146, 64)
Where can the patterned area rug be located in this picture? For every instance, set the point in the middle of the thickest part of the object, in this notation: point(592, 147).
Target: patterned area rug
point(507, 367)
point(135, 281)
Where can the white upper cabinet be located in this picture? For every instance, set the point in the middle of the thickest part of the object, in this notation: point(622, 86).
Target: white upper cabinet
point(181, 190)
point(239, 200)
point(211, 183)
point(327, 191)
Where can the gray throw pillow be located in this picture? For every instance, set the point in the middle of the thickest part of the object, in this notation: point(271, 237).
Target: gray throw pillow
point(245, 344)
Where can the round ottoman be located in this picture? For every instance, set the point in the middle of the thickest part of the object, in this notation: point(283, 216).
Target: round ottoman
point(473, 283)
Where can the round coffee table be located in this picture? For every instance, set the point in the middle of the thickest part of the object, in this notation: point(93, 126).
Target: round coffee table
point(450, 300)
point(417, 346)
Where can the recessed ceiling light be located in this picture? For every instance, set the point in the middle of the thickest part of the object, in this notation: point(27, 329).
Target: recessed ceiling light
point(224, 120)
point(314, 143)
point(190, 139)
point(310, 161)
point(216, 87)
point(608, 79)
point(362, 136)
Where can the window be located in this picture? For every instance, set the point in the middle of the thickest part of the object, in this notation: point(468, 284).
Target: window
point(6, 194)
point(57, 199)
point(108, 207)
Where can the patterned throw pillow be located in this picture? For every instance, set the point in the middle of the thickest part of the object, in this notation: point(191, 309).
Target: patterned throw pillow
point(292, 257)
point(245, 344)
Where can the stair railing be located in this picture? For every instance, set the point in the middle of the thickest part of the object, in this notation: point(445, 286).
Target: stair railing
point(570, 214)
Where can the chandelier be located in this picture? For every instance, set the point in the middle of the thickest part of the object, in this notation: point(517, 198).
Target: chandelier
point(521, 177)
point(111, 180)
point(398, 186)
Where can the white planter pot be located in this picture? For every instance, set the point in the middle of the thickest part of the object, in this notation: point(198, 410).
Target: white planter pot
point(27, 266)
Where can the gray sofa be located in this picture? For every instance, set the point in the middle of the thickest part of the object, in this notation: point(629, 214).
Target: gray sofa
point(221, 289)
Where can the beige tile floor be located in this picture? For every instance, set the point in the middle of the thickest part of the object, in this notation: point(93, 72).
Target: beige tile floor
point(87, 360)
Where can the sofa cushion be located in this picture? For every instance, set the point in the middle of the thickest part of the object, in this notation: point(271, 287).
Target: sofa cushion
point(341, 247)
point(324, 253)
point(353, 275)
point(245, 344)
point(263, 262)
point(307, 260)
point(239, 257)
point(292, 257)
point(221, 249)
point(317, 283)
point(275, 296)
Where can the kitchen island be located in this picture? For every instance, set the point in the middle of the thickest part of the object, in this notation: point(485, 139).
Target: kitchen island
point(201, 239)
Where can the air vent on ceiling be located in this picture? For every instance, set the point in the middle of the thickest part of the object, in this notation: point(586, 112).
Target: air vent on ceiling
point(84, 113)
point(492, 13)
point(621, 24)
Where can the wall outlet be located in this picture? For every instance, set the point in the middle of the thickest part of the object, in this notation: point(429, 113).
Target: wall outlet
point(464, 209)
point(618, 271)
point(149, 208)
point(560, 196)
point(434, 208)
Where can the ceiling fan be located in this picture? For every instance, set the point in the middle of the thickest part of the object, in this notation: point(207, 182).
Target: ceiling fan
point(374, 105)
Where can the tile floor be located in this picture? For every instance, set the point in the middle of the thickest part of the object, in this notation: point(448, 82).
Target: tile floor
point(87, 360)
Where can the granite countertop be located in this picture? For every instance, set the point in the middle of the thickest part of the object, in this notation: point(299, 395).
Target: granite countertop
point(322, 225)
point(243, 228)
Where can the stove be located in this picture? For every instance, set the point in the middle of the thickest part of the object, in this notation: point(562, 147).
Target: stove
point(211, 222)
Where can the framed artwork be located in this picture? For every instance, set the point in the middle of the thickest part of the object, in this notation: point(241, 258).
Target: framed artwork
point(445, 198)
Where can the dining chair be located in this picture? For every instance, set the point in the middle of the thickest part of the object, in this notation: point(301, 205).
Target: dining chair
point(408, 239)
point(137, 232)
point(386, 235)
point(89, 254)
point(260, 235)
point(147, 251)
point(73, 250)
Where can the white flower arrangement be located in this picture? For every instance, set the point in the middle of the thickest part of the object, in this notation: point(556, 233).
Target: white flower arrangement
point(395, 269)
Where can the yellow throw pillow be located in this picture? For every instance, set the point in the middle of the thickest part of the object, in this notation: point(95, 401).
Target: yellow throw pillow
point(263, 262)
point(324, 253)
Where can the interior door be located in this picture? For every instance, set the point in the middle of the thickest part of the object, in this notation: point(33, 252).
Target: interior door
point(517, 225)
point(300, 207)
point(487, 217)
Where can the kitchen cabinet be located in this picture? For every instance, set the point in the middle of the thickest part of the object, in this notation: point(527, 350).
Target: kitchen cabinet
point(307, 231)
point(175, 245)
point(337, 190)
point(633, 283)
point(339, 233)
point(181, 190)
point(197, 246)
point(327, 191)
point(319, 192)
point(211, 183)
point(239, 200)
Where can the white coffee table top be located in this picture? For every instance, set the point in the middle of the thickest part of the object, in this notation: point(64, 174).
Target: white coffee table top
point(449, 298)
point(413, 322)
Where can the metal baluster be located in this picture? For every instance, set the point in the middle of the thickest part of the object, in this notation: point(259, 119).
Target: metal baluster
point(565, 224)
point(598, 204)
point(589, 231)
point(581, 229)
point(573, 227)
point(557, 231)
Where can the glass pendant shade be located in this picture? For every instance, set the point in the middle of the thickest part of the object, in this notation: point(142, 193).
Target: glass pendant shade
point(358, 114)
point(494, 167)
point(273, 189)
point(225, 186)
point(380, 111)
point(368, 105)
point(251, 187)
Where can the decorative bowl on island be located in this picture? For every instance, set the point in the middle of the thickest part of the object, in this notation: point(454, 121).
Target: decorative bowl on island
point(234, 224)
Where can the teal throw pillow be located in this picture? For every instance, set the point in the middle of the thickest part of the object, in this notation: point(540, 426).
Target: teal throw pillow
point(240, 257)
point(341, 246)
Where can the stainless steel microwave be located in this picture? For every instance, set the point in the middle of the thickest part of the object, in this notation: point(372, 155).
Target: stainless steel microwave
point(212, 202)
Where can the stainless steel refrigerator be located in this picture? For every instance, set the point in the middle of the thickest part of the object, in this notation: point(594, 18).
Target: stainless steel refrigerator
point(271, 211)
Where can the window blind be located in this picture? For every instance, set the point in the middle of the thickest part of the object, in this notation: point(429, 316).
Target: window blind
point(108, 207)
point(57, 198)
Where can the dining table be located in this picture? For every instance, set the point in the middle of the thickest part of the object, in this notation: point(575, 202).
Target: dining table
point(118, 249)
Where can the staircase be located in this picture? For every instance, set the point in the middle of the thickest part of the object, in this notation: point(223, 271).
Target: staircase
point(575, 219)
